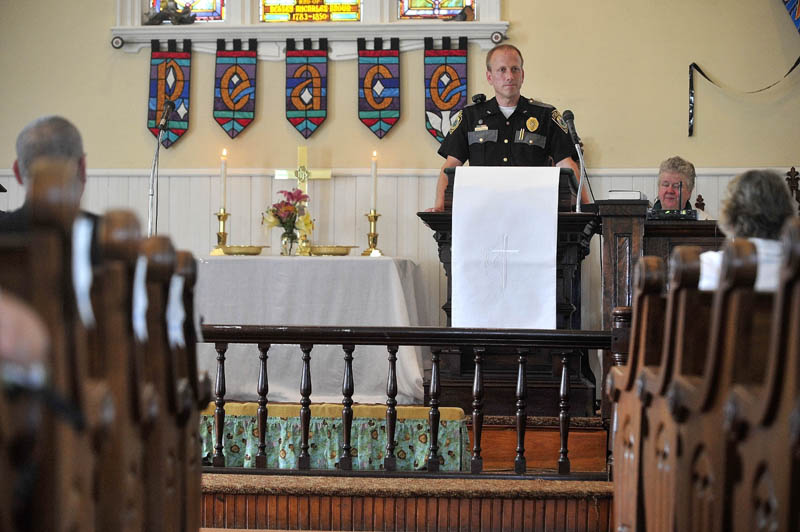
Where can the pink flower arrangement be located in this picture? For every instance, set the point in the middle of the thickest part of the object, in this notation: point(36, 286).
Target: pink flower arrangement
point(285, 213)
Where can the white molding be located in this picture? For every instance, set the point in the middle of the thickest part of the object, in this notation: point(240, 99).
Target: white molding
point(379, 19)
point(341, 35)
point(700, 172)
point(388, 172)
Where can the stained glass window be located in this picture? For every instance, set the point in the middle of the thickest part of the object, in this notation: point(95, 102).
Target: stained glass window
point(311, 10)
point(204, 9)
point(431, 8)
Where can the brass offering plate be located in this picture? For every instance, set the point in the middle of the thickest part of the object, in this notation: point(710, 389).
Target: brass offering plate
point(242, 250)
point(331, 250)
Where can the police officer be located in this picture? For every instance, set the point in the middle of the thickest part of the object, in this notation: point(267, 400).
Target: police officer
point(508, 130)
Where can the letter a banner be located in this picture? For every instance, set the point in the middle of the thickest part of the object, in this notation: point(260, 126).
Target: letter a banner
point(169, 80)
point(445, 85)
point(379, 85)
point(306, 85)
point(235, 86)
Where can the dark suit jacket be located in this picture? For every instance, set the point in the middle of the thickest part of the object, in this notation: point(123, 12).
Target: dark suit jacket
point(15, 221)
point(19, 221)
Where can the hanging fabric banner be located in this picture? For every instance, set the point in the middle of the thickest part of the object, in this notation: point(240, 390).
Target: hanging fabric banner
point(793, 6)
point(169, 80)
point(235, 86)
point(445, 85)
point(695, 67)
point(379, 85)
point(306, 85)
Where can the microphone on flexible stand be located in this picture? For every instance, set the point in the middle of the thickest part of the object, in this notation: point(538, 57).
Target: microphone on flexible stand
point(152, 193)
point(569, 118)
point(169, 106)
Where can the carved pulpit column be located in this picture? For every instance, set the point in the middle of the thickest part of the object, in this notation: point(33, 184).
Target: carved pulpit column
point(623, 244)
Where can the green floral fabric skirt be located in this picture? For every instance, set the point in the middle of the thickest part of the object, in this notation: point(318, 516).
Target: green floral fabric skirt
point(367, 440)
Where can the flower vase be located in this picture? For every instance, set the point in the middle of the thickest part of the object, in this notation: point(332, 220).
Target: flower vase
point(288, 238)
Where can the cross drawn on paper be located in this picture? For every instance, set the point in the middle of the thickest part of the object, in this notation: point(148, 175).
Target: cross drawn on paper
point(501, 255)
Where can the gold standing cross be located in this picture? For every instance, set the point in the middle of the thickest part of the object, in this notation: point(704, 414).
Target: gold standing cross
point(303, 174)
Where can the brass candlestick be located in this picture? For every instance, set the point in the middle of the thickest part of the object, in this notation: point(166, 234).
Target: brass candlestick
point(372, 237)
point(222, 236)
point(304, 246)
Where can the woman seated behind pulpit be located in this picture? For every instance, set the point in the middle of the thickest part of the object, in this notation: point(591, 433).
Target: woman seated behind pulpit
point(756, 206)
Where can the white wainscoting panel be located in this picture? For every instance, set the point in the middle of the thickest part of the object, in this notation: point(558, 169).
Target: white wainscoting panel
point(188, 198)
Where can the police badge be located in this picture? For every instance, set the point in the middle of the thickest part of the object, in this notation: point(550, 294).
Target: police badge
point(456, 121)
point(560, 121)
point(532, 124)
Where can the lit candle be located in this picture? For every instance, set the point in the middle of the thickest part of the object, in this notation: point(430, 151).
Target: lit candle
point(302, 156)
point(223, 174)
point(374, 171)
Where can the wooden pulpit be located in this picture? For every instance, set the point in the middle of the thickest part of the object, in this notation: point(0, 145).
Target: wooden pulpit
point(575, 231)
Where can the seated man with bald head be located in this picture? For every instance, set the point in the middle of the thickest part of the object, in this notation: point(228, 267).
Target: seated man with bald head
point(46, 142)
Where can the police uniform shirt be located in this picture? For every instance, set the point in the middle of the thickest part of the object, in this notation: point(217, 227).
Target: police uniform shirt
point(534, 135)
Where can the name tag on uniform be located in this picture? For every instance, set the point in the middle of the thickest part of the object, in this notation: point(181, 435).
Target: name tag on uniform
point(483, 127)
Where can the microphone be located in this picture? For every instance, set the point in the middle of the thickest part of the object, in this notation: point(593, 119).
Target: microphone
point(569, 118)
point(169, 106)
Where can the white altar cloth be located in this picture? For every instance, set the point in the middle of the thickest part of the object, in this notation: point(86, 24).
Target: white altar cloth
point(334, 291)
point(505, 224)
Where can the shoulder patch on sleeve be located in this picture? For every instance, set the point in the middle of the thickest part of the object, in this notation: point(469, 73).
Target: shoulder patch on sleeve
point(560, 121)
point(455, 121)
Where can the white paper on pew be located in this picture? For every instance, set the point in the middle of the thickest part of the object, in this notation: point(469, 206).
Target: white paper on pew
point(505, 222)
point(139, 310)
point(176, 314)
point(82, 268)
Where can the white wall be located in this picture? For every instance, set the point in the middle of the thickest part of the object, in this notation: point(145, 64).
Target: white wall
point(188, 197)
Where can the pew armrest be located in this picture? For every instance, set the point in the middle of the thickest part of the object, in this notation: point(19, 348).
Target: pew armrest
point(682, 396)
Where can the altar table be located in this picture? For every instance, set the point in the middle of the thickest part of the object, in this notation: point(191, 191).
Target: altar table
point(316, 291)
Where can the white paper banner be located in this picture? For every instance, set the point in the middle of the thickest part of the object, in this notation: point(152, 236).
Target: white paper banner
point(505, 223)
point(176, 314)
point(139, 309)
point(82, 267)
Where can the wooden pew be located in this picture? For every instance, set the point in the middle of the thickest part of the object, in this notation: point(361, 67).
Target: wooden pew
point(162, 438)
point(37, 268)
point(737, 338)
point(120, 482)
point(683, 349)
point(762, 414)
point(644, 350)
point(24, 346)
point(194, 394)
point(7, 471)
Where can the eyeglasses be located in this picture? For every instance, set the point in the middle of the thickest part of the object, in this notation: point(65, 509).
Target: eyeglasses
point(674, 186)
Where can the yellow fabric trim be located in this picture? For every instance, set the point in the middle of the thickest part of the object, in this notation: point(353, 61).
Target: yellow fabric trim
point(335, 411)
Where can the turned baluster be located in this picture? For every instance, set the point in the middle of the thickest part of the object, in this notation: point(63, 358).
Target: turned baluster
point(390, 461)
point(304, 460)
point(219, 412)
point(433, 415)
point(620, 341)
point(345, 459)
point(520, 464)
point(563, 416)
point(476, 465)
point(263, 390)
